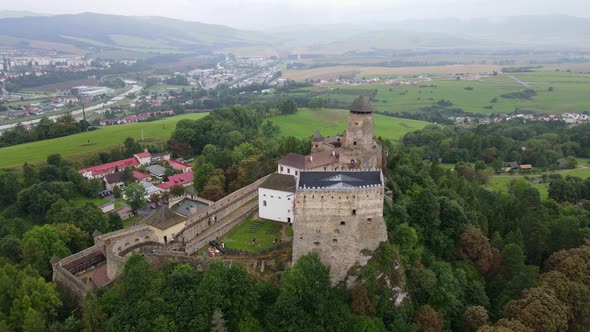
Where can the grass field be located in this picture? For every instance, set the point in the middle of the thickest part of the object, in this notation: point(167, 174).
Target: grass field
point(569, 93)
point(83, 144)
point(501, 182)
point(263, 231)
point(331, 122)
point(335, 72)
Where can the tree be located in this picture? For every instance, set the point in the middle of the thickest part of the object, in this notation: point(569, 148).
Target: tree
point(177, 190)
point(287, 106)
point(54, 159)
point(117, 192)
point(40, 244)
point(428, 319)
point(135, 196)
point(201, 175)
point(127, 176)
point(473, 245)
point(474, 318)
point(217, 322)
point(130, 147)
point(361, 304)
point(538, 309)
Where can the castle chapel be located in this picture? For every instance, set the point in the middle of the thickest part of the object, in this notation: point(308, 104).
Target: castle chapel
point(333, 197)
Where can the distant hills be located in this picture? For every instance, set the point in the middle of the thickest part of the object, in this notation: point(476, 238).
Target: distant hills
point(129, 33)
point(101, 33)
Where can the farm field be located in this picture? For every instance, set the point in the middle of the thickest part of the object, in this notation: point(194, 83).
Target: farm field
point(335, 72)
point(83, 144)
point(331, 122)
point(569, 93)
point(501, 182)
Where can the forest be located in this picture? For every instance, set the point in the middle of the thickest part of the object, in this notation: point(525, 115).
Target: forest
point(469, 258)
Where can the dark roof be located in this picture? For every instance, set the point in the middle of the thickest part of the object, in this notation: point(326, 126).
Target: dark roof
point(361, 105)
point(282, 182)
point(114, 177)
point(293, 160)
point(165, 218)
point(339, 180)
point(512, 164)
point(317, 136)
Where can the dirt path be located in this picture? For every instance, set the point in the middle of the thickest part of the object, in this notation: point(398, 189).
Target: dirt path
point(525, 84)
point(284, 236)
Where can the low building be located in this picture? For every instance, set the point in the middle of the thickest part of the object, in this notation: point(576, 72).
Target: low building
point(107, 207)
point(526, 167)
point(116, 179)
point(150, 189)
point(276, 197)
point(509, 166)
point(156, 171)
point(178, 166)
point(293, 163)
point(100, 171)
point(183, 179)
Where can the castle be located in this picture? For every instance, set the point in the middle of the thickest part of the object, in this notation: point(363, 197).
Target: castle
point(334, 196)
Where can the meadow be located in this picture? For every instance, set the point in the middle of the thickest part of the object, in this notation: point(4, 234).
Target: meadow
point(75, 147)
point(331, 122)
point(264, 231)
point(568, 93)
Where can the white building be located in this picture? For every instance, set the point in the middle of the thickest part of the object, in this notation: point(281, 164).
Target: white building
point(276, 197)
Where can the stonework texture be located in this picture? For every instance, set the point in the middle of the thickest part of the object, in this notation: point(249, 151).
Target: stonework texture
point(342, 226)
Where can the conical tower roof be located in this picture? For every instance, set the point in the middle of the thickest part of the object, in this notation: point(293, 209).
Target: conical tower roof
point(361, 105)
point(317, 136)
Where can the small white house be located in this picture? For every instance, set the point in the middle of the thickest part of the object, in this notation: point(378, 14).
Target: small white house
point(276, 198)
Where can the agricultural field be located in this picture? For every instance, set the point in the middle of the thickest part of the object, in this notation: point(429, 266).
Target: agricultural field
point(501, 182)
point(331, 122)
point(76, 147)
point(334, 72)
point(557, 93)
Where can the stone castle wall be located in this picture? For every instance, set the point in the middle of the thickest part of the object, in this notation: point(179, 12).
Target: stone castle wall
point(359, 133)
point(339, 225)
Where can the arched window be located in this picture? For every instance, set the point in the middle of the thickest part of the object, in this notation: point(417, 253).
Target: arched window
point(263, 203)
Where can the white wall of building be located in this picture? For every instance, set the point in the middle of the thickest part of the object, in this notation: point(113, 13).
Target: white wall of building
point(275, 205)
point(282, 169)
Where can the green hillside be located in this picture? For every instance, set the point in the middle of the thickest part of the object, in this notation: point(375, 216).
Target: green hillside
point(83, 144)
point(331, 122)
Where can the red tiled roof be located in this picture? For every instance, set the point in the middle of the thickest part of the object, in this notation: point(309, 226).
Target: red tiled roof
point(109, 167)
point(177, 165)
point(143, 154)
point(139, 175)
point(178, 179)
point(311, 161)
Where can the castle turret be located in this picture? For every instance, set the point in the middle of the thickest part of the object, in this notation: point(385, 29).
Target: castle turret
point(359, 150)
point(360, 125)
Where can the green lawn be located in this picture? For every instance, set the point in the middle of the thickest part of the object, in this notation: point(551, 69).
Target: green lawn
point(500, 184)
point(83, 144)
point(80, 200)
point(331, 122)
point(264, 231)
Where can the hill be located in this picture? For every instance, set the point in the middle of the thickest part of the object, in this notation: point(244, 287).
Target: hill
point(129, 33)
point(80, 145)
point(331, 122)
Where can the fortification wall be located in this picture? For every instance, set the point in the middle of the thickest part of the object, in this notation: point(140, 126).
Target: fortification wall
point(215, 212)
point(359, 132)
point(65, 279)
point(218, 229)
point(116, 247)
point(342, 226)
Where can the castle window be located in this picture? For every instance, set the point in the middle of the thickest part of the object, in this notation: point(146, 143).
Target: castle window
point(354, 212)
point(301, 238)
point(334, 240)
point(354, 143)
point(279, 197)
point(316, 145)
point(263, 203)
point(369, 219)
point(343, 223)
point(356, 123)
point(317, 243)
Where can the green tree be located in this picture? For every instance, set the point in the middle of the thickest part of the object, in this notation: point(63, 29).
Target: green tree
point(40, 244)
point(135, 196)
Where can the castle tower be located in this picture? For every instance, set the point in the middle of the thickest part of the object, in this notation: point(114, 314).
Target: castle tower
point(359, 150)
point(339, 216)
point(360, 125)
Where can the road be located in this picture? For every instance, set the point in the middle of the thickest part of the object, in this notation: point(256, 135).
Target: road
point(526, 85)
point(135, 88)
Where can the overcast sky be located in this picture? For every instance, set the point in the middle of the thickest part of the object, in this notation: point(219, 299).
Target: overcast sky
point(268, 13)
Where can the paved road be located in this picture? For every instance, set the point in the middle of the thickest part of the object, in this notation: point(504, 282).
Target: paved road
point(134, 89)
point(525, 84)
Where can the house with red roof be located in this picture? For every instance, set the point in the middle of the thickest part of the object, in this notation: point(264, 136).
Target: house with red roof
point(100, 171)
point(178, 166)
point(183, 179)
point(144, 158)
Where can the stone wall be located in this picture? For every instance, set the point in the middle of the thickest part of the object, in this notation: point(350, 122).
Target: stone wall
point(342, 226)
point(359, 133)
point(65, 279)
point(215, 212)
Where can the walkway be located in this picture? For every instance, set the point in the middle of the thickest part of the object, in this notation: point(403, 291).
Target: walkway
point(525, 84)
